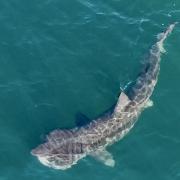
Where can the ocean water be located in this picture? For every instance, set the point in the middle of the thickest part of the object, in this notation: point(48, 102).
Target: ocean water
point(58, 58)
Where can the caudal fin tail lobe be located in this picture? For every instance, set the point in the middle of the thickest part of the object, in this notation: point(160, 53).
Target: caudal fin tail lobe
point(163, 36)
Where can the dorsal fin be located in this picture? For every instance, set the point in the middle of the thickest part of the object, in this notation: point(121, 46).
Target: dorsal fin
point(122, 101)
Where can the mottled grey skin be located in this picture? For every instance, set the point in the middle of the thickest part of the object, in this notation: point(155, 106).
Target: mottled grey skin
point(65, 147)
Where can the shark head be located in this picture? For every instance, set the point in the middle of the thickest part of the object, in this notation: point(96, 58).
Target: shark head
point(52, 158)
point(59, 151)
point(41, 150)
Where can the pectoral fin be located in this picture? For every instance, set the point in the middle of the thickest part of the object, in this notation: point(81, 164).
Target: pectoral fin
point(104, 156)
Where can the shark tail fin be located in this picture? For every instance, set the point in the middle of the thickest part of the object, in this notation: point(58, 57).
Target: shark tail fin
point(162, 36)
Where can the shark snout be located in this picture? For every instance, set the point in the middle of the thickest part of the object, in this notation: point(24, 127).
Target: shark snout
point(41, 150)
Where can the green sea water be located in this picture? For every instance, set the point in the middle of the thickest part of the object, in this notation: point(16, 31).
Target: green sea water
point(61, 57)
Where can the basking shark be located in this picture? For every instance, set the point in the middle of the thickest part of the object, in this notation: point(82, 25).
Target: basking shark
point(64, 147)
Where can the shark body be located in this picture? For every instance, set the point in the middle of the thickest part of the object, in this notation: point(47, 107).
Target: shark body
point(63, 148)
